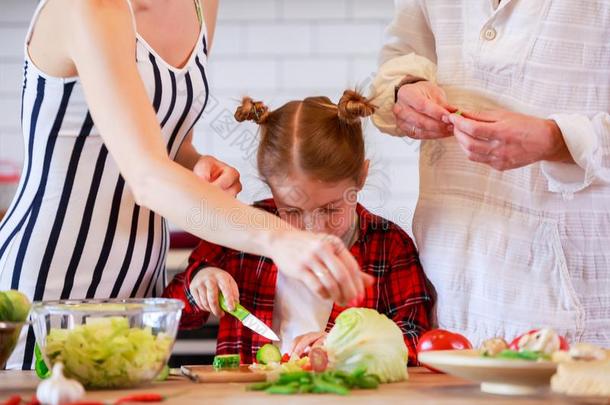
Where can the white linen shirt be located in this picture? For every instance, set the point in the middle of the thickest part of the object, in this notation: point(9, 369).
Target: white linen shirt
point(524, 248)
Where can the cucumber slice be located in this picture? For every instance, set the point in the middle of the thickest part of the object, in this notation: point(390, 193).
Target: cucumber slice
point(224, 361)
point(268, 354)
point(42, 371)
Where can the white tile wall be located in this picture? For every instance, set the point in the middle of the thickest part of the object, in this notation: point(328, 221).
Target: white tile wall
point(274, 50)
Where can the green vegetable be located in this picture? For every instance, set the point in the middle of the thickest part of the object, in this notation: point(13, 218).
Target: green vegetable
point(328, 382)
point(107, 353)
point(362, 338)
point(458, 112)
point(522, 355)
point(261, 386)
point(224, 361)
point(287, 389)
point(21, 305)
point(42, 371)
point(164, 374)
point(6, 308)
point(328, 386)
point(268, 354)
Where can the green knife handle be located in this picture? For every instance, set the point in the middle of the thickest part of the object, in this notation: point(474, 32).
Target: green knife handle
point(240, 312)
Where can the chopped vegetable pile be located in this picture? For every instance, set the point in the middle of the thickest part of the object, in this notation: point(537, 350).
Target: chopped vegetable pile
point(328, 382)
point(107, 353)
point(535, 345)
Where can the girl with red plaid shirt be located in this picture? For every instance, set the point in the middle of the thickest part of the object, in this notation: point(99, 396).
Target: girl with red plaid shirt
point(312, 157)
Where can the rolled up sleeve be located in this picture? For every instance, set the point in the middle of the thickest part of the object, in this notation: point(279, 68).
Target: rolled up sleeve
point(409, 49)
point(588, 140)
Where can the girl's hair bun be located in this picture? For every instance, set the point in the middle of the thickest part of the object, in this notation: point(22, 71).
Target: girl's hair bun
point(251, 110)
point(353, 106)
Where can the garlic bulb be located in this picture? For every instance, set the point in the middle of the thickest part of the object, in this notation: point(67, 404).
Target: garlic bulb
point(59, 390)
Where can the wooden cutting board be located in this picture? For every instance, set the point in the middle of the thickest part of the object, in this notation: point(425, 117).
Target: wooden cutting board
point(207, 374)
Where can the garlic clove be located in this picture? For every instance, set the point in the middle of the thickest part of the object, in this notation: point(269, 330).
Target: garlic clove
point(59, 390)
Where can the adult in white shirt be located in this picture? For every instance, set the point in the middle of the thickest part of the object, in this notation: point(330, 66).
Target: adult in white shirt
point(513, 218)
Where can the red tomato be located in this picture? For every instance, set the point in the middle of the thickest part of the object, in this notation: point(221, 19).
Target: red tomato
point(514, 345)
point(285, 358)
point(440, 339)
point(307, 367)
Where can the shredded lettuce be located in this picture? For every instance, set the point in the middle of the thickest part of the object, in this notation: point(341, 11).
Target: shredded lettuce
point(107, 353)
point(362, 338)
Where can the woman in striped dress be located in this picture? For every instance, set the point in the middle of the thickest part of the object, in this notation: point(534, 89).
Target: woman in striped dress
point(107, 120)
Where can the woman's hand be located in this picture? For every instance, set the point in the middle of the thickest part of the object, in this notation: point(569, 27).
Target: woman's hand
point(321, 262)
point(507, 140)
point(205, 286)
point(419, 111)
point(218, 173)
point(304, 343)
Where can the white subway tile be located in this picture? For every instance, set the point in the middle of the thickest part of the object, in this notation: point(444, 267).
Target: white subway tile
point(315, 74)
point(243, 75)
point(11, 78)
point(228, 39)
point(17, 11)
point(281, 39)
point(248, 10)
point(314, 9)
point(372, 9)
point(11, 145)
point(348, 38)
point(10, 112)
point(362, 71)
point(11, 41)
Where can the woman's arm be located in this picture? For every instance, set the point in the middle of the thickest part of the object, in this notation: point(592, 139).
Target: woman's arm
point(587, 138)
point(409, 54)
point(101, 44)
point(409, 32)
point(574, 149)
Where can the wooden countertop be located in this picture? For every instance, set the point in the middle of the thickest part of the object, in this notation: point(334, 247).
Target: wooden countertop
point(422, 387)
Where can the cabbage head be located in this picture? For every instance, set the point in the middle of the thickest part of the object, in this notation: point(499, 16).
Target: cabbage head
point(364, 338)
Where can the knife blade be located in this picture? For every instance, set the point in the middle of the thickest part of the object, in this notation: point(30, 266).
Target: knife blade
point(248, 320)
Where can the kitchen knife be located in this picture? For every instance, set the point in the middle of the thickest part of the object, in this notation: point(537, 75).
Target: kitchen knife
point(248, 320)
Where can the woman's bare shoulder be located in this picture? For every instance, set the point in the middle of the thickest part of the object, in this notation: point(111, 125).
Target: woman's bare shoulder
point(64, 26)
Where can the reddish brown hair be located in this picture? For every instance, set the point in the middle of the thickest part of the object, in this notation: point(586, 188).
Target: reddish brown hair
point(314, 135)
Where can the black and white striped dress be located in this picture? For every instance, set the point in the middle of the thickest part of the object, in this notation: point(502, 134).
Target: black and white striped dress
point(74, 230)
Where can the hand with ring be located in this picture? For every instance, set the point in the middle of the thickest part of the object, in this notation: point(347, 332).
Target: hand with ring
point(419, 111)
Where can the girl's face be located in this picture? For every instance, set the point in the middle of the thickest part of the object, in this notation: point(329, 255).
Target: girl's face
point(317, 206)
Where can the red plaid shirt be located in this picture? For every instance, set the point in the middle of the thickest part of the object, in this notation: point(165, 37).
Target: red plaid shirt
point(382, 250)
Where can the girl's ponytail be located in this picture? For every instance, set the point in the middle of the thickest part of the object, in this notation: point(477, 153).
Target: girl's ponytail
point(353, 106)
point(251, 110)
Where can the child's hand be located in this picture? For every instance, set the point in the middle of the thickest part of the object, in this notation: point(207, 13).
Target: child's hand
point(204, 288)
point(219, 174)
point(304, 343)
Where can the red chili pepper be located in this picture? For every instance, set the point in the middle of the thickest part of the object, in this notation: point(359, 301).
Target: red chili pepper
point(140, 398)
point(14, 400)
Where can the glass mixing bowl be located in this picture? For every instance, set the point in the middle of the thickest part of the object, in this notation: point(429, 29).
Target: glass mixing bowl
point(107, 343)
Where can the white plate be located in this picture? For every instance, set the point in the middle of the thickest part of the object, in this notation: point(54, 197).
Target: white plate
point(497, 376)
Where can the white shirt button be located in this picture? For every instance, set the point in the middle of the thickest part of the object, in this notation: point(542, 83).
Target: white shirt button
point(490, 34)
